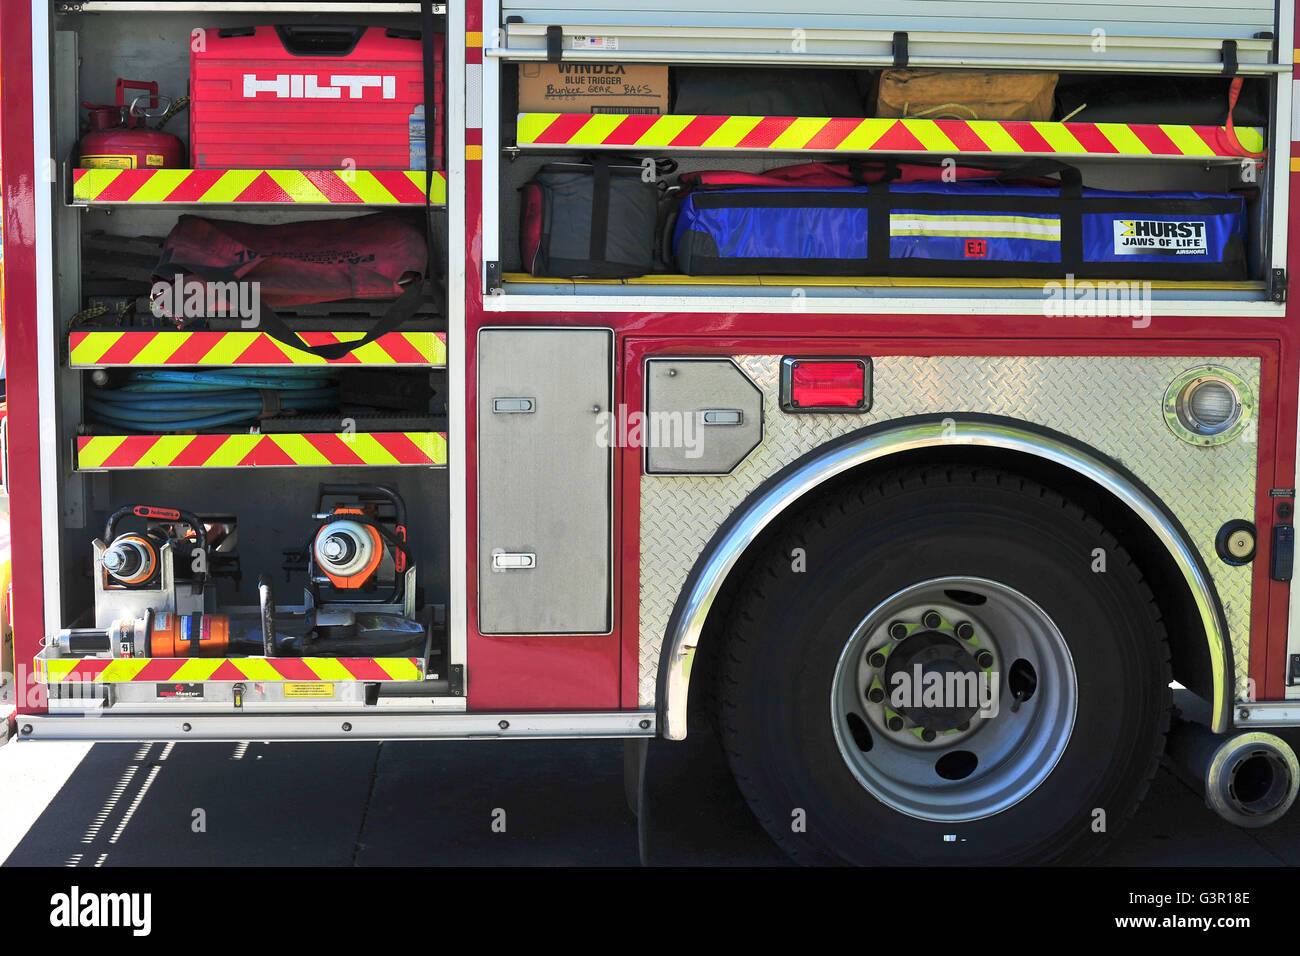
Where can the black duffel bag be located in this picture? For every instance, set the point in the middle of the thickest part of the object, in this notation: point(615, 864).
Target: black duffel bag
point(592, 219)
point(1193, 100)
point(705, 90)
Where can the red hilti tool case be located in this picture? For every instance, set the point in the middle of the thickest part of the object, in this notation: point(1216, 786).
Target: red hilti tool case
point(313, 97)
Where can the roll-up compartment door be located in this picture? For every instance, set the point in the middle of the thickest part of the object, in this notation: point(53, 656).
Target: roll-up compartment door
point(544, 481)
point(1151, 18)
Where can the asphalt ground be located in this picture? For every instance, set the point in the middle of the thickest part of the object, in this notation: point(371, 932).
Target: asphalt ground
point(451, 803)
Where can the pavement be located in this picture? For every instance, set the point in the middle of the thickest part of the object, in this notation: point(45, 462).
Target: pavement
point(451, 803)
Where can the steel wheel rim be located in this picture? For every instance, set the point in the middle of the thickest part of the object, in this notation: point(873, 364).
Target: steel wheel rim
point(1014, 750)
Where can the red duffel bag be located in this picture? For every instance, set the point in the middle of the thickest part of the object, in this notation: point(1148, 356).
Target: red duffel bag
point(380, 256)
point(852, 173)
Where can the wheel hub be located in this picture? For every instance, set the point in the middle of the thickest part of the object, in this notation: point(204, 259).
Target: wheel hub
point(925, 662)
point(954, 698)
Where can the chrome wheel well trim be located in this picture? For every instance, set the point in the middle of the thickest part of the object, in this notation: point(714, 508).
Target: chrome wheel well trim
point(789, 485)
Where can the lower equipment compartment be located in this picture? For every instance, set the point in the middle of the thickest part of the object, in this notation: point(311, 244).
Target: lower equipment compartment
point(164, 631)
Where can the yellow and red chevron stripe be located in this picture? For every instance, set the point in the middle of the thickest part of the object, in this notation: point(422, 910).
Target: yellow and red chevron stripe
point(377, 187)
point(190, 669)
point(820, 134)
point(105, 452)
point(118, 348)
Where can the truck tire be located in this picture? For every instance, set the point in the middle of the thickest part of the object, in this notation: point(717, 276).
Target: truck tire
point(980, 574)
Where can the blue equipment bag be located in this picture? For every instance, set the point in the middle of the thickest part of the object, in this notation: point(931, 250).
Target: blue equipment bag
point(979, 228)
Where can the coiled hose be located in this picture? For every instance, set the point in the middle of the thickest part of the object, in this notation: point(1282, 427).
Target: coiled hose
point(154, 400)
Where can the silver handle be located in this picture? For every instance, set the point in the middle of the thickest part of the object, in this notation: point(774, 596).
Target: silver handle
point(516, 406)
point(723, 416)
point(514, 561)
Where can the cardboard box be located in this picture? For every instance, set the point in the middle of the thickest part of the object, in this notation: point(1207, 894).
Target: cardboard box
point(592, 88)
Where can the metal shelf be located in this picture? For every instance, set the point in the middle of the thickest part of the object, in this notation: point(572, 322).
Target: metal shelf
point(234, 187)
point(112, 348)
point(274, 450)
point(790, 134)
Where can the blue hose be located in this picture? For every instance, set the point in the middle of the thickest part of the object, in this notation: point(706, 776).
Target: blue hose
point(154, 400)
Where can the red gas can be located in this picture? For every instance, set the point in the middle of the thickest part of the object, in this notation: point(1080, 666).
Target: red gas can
point(313, 97)
point(119, 138)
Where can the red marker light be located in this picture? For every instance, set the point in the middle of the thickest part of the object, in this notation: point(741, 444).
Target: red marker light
point(810, 384)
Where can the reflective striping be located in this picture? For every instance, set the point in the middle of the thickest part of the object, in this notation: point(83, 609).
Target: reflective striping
point(821, 134)
point(228, 669)
point(110, 452)
point(116, 348)
point(976, 226)
point(196, 669)
point(332, 670)
point(318, 187)
point(297, 186)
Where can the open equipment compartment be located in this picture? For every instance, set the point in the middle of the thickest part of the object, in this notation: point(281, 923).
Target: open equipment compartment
point(1157, 45)
point(322, 526)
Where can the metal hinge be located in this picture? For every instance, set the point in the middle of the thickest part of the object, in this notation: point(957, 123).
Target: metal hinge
point(456, 680)
point(1293, 670)
point(492, 277)
point(1277, 285)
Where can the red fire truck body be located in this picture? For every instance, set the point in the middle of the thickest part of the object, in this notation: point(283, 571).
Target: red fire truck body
point(1073, 490)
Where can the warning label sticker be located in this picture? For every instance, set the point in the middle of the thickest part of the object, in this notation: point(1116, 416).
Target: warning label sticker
point(1158, 237)
point(308, 690)
point(107, 162)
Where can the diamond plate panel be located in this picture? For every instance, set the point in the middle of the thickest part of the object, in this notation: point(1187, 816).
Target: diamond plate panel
point(1111, 403)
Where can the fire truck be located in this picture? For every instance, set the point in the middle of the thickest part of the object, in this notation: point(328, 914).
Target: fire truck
point(672, 440)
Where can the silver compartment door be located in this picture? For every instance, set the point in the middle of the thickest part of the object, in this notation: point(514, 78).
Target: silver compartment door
point(544, 481)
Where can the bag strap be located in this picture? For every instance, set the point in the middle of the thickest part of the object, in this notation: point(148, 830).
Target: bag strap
point(430, 124)
point(1071, 178)
point(397, 314)
point(666, 238)
point(408, 303)
point(599, 209)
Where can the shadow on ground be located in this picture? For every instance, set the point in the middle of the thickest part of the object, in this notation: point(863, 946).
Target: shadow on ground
point(480, 803)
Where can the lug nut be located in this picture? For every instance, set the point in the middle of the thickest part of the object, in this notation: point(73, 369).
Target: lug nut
point(898, 630)
point(932, 619)
point(876, 659)
point(928, 735)
point(984, 659)
point(965, 630)
point(876, 695)
point(895, 723)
